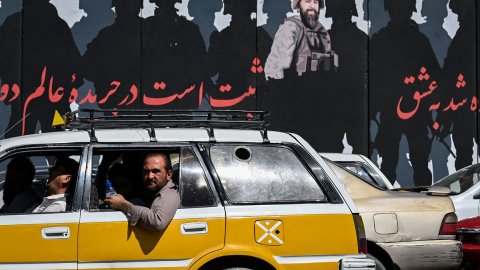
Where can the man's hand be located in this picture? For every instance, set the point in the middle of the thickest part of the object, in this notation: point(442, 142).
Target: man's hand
point(117, 202)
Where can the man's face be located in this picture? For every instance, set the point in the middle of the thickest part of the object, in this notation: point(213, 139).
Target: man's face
point(309, 11)
point(154, 174)
point(57, 179)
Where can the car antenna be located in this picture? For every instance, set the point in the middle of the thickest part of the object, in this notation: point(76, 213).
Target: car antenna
point(16, 124)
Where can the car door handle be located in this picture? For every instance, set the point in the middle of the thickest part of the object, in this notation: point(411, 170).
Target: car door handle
point(194, 228)
point(56, 233)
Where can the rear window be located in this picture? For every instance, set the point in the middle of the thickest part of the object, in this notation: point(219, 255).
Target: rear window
point(264, 174)
point(461, 180)
point(365, 173)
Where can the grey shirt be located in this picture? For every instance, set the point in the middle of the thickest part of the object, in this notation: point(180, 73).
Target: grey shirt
point(159, 215)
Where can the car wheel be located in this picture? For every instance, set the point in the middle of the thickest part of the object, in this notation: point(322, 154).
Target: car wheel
point(378, 263)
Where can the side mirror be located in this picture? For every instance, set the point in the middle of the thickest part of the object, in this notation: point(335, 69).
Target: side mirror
point(476, 196)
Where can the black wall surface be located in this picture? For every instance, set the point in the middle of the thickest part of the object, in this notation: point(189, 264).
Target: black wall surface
point(400, 91)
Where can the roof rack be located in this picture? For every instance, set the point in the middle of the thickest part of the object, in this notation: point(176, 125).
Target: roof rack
point(112, 118)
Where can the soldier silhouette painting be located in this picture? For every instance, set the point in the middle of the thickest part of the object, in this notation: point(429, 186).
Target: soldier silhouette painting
point(203, 13)
point(376, 14)
point(301, 71)
point(113, 59)
point(99, 15)
point(238, 54)
point(435, 12)
point(402, 62)
point(8, 7)
point(40, 65)
point(458, 84)
point(351, 44)
point(173, 59)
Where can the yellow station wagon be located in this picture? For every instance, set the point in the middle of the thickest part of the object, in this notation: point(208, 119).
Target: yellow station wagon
point(249, 199)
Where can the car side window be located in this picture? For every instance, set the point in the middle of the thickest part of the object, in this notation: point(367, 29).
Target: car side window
point(27, 181)
point(194, 190)
point(122, 167)
point(264, 174)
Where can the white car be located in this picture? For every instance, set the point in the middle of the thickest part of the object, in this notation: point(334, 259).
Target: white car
point(462, 185)
point(404, 230)
point(465, 190)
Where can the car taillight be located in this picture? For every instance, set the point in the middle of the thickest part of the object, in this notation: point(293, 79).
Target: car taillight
point(361, 236)
point(449, 224)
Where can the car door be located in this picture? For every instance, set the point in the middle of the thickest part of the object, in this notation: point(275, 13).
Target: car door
point(107, 241)
point(41, 240)
point(280, 209)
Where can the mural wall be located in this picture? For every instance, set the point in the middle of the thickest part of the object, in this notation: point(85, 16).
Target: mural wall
point(394, 80)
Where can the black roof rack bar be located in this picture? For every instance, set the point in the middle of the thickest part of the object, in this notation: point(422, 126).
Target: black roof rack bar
point(211, 134)
point(264, 134)
point(153, 136)
point(168, 118)
point(93, 138)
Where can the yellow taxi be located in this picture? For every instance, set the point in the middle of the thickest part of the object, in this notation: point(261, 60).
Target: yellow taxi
point(250, 199)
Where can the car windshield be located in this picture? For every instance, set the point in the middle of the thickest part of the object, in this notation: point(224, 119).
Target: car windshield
point(461, 180)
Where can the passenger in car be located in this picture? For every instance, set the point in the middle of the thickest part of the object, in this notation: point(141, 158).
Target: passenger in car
point(125, 183)
point(61, 183)
point(157, 177)
point(18, 195)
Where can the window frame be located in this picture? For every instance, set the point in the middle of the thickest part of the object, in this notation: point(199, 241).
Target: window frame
point(311, 165)
point(39, 148)
point(146, 147)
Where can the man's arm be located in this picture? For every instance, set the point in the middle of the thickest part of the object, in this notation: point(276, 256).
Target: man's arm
point(155, 218)
point(160, 213)
point(283, 48)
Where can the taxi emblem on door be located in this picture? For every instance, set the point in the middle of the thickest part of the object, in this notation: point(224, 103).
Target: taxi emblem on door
point(269, 232)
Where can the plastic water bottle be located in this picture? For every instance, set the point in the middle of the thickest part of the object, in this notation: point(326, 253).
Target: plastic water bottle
point(110, 190)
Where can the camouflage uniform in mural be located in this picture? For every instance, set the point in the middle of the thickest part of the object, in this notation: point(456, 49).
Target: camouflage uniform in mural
point(398, 53)
point(33, 41)
point(301, 71)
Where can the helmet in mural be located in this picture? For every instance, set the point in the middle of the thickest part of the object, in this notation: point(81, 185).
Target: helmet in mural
point(340, 5)
point(411, 4)
point(157, 1)
point(232, 5)
point(296, 4)
point(120, 2)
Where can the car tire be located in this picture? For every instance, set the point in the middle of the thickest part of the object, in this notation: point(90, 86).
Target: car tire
point(378, 264)
point(237, 268)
